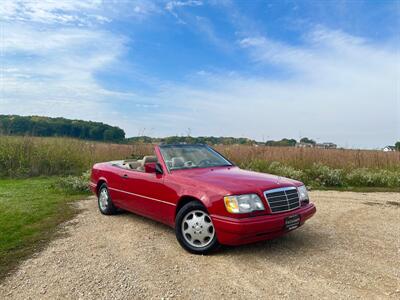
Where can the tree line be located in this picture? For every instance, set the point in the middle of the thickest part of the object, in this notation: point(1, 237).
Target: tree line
point(46, 126)
point(62, 127)
point(211, 140)
point(289, 142)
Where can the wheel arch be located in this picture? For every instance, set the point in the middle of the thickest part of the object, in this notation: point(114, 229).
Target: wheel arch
point(186, 199)
point(99, 184)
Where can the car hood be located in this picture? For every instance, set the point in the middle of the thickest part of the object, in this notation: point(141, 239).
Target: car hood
point(235, 180)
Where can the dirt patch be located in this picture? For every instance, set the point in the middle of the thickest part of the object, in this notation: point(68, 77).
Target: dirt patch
point(348, 250)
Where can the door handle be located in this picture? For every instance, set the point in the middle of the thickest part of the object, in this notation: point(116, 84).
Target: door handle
point(125, 176)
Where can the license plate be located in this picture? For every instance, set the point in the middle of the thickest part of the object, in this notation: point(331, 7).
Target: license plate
point(292, 222)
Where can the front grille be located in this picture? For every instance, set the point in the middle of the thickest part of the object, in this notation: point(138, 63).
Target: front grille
point(282, 199)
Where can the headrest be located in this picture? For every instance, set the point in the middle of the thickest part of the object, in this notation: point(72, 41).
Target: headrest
point(149, 159)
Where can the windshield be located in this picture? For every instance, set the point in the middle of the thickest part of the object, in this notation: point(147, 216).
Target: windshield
point(179, 157)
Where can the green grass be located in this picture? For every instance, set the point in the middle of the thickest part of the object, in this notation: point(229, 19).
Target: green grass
point(30, 210)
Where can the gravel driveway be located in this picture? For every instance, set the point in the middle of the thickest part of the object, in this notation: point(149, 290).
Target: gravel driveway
point(350, 249)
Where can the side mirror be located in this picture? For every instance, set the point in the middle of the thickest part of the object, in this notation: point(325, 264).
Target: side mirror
point(153, 167)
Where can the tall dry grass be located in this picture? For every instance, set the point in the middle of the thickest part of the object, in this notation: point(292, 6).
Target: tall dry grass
point(321, 167)
point(302, 158)
point(33, 156)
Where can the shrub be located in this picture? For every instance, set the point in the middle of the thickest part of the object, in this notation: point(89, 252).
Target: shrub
point(74, 184)
point(276, 168)
point(378, 178)
point(257, 165)
point(280, 169)
point(321, 175)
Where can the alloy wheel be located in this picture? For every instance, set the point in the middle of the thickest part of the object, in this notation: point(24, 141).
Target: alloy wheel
point(198, 229)
point(103, 199)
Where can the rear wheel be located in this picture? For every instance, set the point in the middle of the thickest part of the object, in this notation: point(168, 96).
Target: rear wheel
point(106, 206)
point(194, 229)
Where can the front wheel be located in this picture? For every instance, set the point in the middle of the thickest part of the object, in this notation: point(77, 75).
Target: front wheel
point(194, 229)
point(106, 206)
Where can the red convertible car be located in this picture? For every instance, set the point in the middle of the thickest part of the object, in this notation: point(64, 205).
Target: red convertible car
point(206, 198)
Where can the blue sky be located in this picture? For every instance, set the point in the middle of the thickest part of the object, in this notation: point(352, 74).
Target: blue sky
point(329, 70)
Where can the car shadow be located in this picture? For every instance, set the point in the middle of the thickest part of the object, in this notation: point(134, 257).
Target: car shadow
point(303, 240)
point(300, 241)
point(141, 219)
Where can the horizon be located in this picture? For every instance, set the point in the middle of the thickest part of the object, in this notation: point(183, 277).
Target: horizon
point(258, 142)
point(208, 68)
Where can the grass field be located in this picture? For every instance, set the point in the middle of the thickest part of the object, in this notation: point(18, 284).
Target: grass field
point(302, 158)
point(30, 210)
point(33, 156)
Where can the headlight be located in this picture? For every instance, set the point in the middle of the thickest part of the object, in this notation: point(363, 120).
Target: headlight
point(303, 194)
point(243, 203)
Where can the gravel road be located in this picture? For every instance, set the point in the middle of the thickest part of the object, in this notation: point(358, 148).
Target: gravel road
point(350, 249)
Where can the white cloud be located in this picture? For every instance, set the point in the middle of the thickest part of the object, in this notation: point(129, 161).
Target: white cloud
point(336, 88)
point(51, 55)
point(52, 11)
point(143, 8)
point(173, 6)
point(52, 72)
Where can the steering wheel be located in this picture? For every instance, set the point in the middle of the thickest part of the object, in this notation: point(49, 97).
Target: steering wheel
point(205, 162)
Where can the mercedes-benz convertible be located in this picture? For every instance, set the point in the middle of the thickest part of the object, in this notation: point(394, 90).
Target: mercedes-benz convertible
point(201, 194)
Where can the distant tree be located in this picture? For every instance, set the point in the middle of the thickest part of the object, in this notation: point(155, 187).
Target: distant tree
point(20, 125)
point(397, 146)
point(211, 140)
point(307, 140)
point(45, 126)
point(282, 143)
point(108, 135)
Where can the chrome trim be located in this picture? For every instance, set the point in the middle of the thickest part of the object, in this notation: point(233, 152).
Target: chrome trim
point(283, 189)
point(280, 189)
point(133, 194)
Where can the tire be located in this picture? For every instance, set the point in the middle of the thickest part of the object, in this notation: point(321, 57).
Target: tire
point(194, 229)
point(104, 201)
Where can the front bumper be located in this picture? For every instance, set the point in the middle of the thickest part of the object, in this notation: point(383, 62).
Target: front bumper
point(93, 187)
point(231, 231)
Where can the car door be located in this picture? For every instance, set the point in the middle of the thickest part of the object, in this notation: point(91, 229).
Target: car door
point(145, 193)
point(116, 184)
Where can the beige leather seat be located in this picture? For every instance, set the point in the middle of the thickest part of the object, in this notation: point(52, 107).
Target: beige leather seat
point(131, 163)
point(135, 164)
